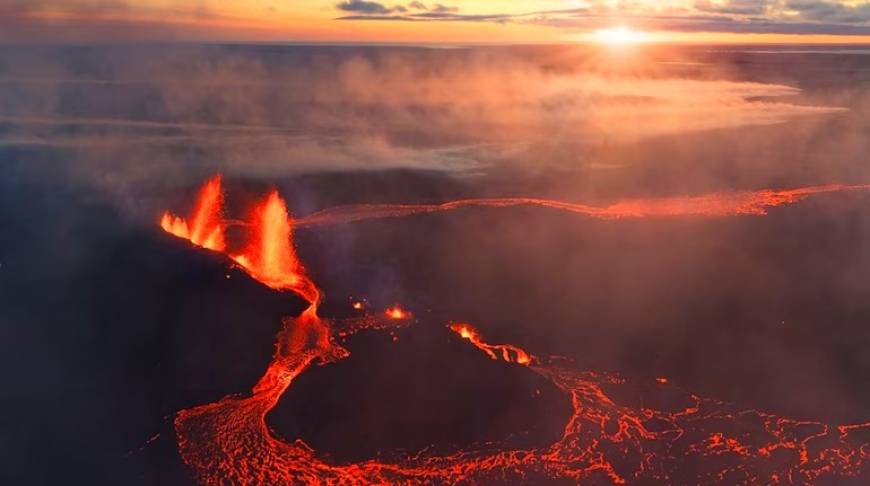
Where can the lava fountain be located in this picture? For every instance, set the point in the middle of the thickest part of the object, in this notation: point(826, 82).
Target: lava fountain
point(270, 257)
point(206, 228)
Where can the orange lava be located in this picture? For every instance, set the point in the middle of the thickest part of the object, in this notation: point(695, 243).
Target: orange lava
point(270, 256)
point(713, 205)
point(705, 442)
point(509, 353)
point(358, 305)
point(397, 313)
point(206, 228)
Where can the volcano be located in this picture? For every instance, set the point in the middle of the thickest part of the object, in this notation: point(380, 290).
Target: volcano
point(227, 263)
point(601, 440)
point(422, 389)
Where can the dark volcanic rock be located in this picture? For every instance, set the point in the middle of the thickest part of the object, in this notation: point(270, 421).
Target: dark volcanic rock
point(429, 388)
point(109, 328)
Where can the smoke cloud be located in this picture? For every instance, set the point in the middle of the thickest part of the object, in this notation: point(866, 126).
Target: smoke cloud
point(264, 111)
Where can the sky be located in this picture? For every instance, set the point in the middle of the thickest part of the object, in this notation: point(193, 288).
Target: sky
point(453, 21)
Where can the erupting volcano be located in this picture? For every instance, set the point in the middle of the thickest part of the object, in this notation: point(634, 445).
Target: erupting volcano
point(397, 313)
point(269, 256)
point(695, 441)
point(206, 229)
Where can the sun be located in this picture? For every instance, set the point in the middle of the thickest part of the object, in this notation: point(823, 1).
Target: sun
point(620, 36)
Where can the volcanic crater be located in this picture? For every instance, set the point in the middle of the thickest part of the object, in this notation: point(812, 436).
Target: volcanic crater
point(424, 388)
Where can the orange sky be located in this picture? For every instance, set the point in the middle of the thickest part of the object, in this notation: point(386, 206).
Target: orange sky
point(460, 21)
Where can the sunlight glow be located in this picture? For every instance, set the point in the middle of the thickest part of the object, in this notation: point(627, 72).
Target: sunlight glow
point(620, 35)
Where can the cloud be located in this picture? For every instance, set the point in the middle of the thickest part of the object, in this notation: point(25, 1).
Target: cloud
point(739, 7)
point(87, 20)
point(416, 10)
point(827, 11)
point(95, 9)
point(737, 16)
point(53, 21)
point(366, 7)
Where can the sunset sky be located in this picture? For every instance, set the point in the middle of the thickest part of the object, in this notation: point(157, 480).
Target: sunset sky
point(473, 21)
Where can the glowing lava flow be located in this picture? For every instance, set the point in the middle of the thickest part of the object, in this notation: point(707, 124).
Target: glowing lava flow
point(397, 313)
point(509, 353)
point(701, 441)
point(722, 204)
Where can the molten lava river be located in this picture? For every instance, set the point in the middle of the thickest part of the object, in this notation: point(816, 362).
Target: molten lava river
point(706, 442)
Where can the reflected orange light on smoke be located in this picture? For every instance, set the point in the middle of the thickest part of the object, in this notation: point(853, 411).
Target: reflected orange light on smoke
point(509, 353)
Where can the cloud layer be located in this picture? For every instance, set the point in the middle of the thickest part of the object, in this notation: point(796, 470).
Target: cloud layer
point(738, 16)
point(65, 20)
point(258, 111)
